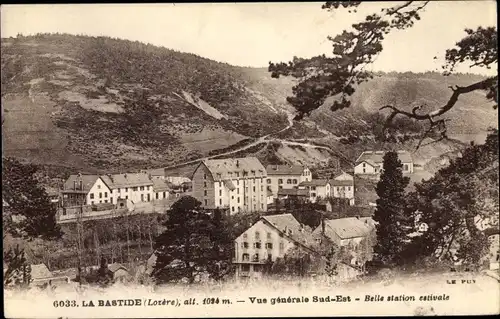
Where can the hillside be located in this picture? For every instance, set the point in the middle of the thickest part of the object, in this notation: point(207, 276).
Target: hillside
point(102, 102)
point(96, 103)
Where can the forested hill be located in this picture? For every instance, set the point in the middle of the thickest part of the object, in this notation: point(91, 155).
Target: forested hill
point(103, 103)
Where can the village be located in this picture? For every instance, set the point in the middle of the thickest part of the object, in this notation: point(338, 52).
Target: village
point(233, 185)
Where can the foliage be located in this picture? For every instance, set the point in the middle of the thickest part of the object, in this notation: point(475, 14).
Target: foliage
point(296, 262)
point(18, 270)
point(390, 215)
point(30, 213)
point(101, 276)
point(340, 74)
point(193, 243)
point(454, 203)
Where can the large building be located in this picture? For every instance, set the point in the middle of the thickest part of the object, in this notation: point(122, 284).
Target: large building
point(238, 184)
point(371, 163)
point(136, 187)
point(268, 239)
point(286, 177)
point(317, 188)
point(83, 189)
point(345, 231)
point(342, 186)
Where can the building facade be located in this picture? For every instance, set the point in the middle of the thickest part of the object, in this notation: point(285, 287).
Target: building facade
point(371, 162)
point(286, 177)
point(136, 187)
point(83, 189)
point(317, 188)
point(342, 186)
point(266, 240)
point(238, 185)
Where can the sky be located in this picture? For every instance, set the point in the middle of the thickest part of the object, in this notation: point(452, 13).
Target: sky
point(252, 34)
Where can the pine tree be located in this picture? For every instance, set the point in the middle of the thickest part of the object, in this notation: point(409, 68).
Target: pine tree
point(193, 243)
point(392, 223)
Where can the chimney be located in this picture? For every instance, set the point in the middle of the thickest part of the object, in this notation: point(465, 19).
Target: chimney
point(81, 185)
point(74, 185)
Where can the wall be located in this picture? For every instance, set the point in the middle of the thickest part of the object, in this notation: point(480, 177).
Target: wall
point(274, 182)
point(343, 191)
point(134, 195)
point(204, 181)
point(100, 193)
point(358, 169)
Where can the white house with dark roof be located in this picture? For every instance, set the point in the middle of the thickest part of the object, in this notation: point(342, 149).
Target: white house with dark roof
point(342, 186)
point(268, 239)
point(81, 189)
point(286, 177)
point(317, 188)
point(371, 162)
point(136, 187)
point(161, 190)
point(238, 184)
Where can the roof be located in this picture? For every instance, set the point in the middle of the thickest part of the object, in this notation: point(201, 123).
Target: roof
point(40, 271)
point(315, 182)
point(375, 158)
point(350, 227)
point(225, 168)
point(127, 180)
point(342, 182)
point(286, 222)
point(156, 171)
point(87, 182)
point(116, 266)
point(284, 169)
point(160, 185)
point(293, 192)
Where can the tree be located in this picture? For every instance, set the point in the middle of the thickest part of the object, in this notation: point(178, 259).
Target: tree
point(191, 245)
point(18, 270)
point(390, 214)
point(321, 77)
point(454, 203)
point(31, 214)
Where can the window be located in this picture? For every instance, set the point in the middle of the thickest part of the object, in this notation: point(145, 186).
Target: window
point(245, 235)
point(142, 188)
point(269, 181)
point(232, 197)
point(106, 201)
point(295, 181)
point(364, 165)
point(313, 188)
point(142, 197)
point(280, 181)
point(268, 235)
point(237, 191)
point(237, 174)
point(206, 202)
point(270, 257)
point(91, 203)
point(269, 245)
point(220, 201)
point(364, 170)
point(100, 195)
point(111, 200)
point(147, 187)
point(126, 197)
point(257, 235)
point(245, 257)
point(349, 188)
point(244, 244)
point(261, 188)
point(156, 195)
point(100, 202)
point(280, 187)
point(91, 195)
point(149, 197)
point(164, 195)
point(282, 246)
point(205, 192)
point(204, 176)
point(256, 257)
point(204, 184)
point(232, 208)
point(288, 181)
point(254, 188)
point(405, 167)
point(238, 200)
point(239, 209)
point(313, 194)
point(220, 192)
point(105, 194)
point(98, 186)
point(126, 189)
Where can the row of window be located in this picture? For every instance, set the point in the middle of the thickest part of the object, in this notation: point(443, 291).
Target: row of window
point(258, 245)
point(255, 257)
point(119, 190)
point(288, 181)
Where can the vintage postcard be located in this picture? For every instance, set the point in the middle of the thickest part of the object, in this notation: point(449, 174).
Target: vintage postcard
point(296, 159)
